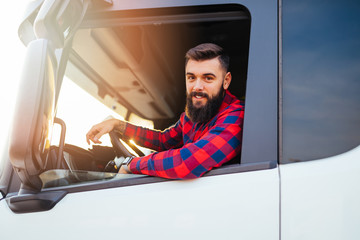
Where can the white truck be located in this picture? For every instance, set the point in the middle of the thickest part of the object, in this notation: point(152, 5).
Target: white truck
point(296, 65)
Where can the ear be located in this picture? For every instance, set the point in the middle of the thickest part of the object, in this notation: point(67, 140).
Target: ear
point(227, 80)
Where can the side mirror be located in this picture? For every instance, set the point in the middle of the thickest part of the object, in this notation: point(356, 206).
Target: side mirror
point(31, 128)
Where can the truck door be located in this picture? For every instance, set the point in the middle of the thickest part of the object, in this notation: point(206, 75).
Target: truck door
point(238, 201)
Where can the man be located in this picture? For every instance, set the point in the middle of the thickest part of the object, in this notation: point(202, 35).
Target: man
point(207, 135)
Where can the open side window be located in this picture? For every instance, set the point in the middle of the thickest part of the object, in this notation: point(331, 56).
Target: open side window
point(135, 57)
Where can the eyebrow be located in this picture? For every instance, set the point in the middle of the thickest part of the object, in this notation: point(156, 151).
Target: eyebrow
point(211, 74)
point(205, 74)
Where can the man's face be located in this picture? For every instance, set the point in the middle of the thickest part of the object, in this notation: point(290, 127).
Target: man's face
point(205, 77)
point(205, 82)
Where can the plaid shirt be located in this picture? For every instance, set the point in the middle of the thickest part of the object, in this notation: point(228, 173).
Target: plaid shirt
point(188, 150)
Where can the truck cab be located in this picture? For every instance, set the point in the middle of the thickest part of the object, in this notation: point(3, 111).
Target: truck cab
point(294, 64)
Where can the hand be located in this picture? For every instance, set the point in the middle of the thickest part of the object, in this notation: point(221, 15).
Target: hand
point(125, 168)
point(123, 171)
point(102, 128)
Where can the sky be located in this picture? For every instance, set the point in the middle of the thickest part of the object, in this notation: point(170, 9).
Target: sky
point(11, 59)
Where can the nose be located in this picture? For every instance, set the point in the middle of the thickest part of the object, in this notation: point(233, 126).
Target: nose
point(198, 85)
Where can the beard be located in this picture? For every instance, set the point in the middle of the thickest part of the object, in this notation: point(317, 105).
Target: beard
point(203, 113)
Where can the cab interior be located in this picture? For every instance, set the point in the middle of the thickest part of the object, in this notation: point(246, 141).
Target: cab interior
point(137, 57)
point(131, 61)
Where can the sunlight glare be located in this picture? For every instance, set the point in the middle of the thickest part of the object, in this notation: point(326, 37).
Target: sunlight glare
point(11, 61)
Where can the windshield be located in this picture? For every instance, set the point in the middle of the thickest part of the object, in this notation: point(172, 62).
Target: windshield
point(79, 110)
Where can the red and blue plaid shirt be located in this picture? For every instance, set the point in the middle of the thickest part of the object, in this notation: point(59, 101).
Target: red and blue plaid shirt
point(188, 150)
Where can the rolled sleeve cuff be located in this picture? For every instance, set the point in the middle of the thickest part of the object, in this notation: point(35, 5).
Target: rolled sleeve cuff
point(133, 165)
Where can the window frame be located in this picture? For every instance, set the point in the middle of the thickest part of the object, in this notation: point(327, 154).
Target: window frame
point(252, 159)
point(260, 122)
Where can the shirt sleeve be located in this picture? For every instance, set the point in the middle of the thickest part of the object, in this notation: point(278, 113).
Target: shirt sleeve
point(155, 139)
point(220, 144)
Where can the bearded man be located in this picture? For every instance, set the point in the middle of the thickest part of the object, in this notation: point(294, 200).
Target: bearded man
point(207, 135)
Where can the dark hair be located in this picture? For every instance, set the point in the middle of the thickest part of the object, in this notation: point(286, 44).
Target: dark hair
point(206, 51)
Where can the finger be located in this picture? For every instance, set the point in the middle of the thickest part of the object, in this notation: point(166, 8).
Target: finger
point(89, 136)
point(97, 137)
point(88, 140)
point(91, 133)
point(96, 140)
point(92, 138)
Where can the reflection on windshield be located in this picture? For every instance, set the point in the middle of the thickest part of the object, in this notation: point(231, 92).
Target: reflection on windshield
point(321, 59)
point(61, 177)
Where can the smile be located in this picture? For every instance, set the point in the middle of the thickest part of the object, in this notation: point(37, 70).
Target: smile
point(199, 95)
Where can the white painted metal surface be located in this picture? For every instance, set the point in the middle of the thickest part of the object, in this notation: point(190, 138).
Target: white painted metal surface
point(233, 206)
point(321, 199)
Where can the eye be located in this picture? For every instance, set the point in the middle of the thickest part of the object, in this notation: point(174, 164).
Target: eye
point(190, 78)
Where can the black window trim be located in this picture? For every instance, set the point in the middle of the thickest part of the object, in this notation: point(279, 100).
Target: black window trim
point(144, 179)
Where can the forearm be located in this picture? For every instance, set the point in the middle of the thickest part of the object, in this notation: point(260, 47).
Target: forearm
point(154, 139)
point(120, 126)
point(194, 159)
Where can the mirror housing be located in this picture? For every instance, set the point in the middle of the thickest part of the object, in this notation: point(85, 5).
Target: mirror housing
point(34, 112)
point(57, 21)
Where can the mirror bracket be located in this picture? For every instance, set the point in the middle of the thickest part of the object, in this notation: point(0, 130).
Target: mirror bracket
point(34, 202)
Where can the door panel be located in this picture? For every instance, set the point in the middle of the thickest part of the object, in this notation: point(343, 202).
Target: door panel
point(233, 206)
point(320, 199)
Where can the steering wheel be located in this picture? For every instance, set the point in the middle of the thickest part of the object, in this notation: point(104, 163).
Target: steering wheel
point(119, 147)
point(120, 151)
